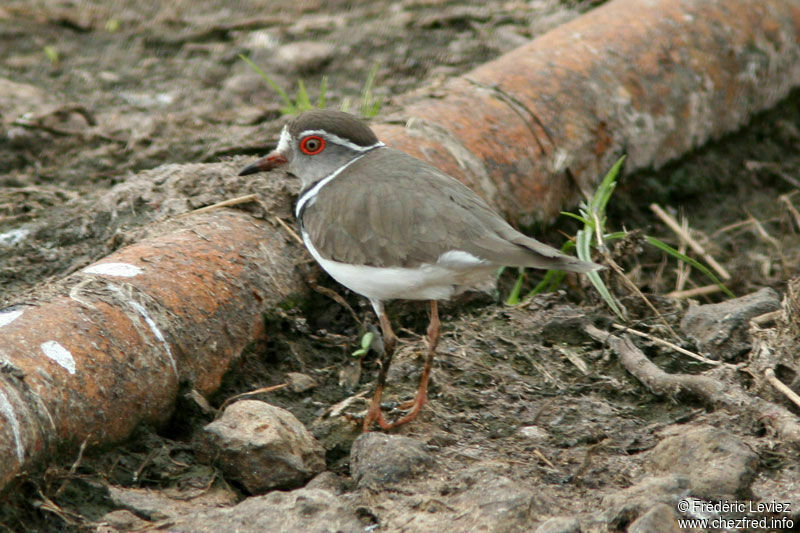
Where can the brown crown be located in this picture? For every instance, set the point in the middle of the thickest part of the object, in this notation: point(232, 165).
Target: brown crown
point(338, 123)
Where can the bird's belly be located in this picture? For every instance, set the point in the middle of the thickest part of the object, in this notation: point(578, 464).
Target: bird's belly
point(426, 282)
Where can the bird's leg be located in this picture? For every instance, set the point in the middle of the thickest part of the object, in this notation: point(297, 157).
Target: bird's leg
point(374, 413)
point(422, 392)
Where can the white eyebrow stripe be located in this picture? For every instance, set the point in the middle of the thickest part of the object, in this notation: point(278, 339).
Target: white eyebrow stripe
point(338, 140)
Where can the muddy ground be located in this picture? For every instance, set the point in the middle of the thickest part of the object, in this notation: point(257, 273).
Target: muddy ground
point(527, 411)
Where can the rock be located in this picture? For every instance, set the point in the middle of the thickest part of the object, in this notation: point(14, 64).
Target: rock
point(159, 505)
point(300, 382)
point(717, 464)
point(261, 446)
point(559, 524)
point(496, 503)
point(305, 56)
point(121, 520)
point(626, 505)
point(326, 481)
point(20, 99)
point(660, 518)
point(533, 434)
point(722, 329)
point(480, 499)
point(377, 459)
point(298, 511)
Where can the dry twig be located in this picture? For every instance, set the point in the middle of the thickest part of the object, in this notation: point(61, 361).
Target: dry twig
point(781, 386)
point(697, 291)
point(711, 391)
point(668, 344)
point(785, 198)
point(289, 230)
point(251, 393)
point(225, 203)
point(73, 468)
point(674, 226)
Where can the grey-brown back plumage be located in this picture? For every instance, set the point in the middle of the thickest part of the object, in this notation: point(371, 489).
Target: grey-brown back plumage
point(401, 199)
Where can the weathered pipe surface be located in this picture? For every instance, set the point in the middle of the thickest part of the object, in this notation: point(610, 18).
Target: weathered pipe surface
point(649, 78)
point(111, 347)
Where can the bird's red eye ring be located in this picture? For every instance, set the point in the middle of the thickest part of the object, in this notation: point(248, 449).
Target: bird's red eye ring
point(312, 145)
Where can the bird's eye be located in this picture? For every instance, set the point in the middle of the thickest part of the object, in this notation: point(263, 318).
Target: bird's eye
point(312, 145)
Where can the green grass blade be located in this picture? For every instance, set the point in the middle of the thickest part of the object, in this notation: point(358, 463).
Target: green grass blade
point(513, 297)
point(664, 247)
point(369, 104)
point(583, 246)
point(288, 105)
point(550, 282)
point(605, 189)
point(579, 218)
point(615, 236)
point(303, 102)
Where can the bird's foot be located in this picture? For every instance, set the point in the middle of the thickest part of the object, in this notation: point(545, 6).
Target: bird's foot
point(374, 413)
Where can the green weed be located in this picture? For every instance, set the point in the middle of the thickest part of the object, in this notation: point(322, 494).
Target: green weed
point(369, 107)
point(593, 236)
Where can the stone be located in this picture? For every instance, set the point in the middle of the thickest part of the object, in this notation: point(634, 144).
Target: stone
point(377, 458)
point(159, 505)
point(305, 56)
point(496, 503)
point(722, 330)
point(624, 506)
point(717, 464)
point(300, 382)
point(121, 520)
point(326, 481)
point(660, 518)
point(261, 446)
point(297, 511)
point(559, 524)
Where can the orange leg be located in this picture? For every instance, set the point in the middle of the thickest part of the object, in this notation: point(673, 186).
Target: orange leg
point(374, 413)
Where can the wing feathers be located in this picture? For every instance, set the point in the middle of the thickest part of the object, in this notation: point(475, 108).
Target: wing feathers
point(396, 220)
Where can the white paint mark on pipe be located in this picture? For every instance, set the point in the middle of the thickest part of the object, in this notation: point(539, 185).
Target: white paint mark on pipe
point(7, 410)
point(7, 317)
point(120, 270)
point(139, 308)
point(59, 354)
point(15, 236)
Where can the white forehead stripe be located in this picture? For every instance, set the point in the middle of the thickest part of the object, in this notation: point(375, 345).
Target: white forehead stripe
point(121, 270)
point(338, 140)
point(283, 141)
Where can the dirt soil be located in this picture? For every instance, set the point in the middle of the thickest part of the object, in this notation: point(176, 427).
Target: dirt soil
point(524, 402)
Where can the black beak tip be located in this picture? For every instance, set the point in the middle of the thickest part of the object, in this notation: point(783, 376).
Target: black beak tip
point(250, 169)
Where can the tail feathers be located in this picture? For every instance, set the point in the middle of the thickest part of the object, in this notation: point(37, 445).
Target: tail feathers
point(573, 264)
point(543, 256)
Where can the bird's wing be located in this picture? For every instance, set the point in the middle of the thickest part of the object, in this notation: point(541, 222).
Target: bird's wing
point(409, 213)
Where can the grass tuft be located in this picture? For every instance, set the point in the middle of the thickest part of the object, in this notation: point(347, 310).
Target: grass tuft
point(370, 105)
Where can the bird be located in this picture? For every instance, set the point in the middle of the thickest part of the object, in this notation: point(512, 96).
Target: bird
point(390, 226)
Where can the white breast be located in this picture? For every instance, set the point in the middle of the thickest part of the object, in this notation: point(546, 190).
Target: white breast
point(454, 272)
